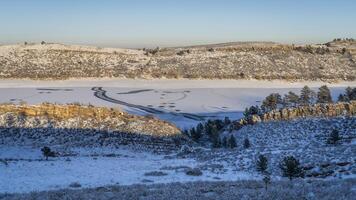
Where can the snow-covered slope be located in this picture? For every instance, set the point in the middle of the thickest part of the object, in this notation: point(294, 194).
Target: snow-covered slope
point(229, 61)
point(306, 139)
point(26, 170)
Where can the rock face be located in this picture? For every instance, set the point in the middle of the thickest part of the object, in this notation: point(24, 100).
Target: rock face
point(244, 60)
point(84, 126)
point(317, 110)
point(82, 117)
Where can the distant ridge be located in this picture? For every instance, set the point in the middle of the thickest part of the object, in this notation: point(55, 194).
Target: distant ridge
point(332, 61)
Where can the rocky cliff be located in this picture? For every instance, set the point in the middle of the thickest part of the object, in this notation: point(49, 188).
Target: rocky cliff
point(82, 117)
point(317, 110)
point(245, 60)
point(84, 126)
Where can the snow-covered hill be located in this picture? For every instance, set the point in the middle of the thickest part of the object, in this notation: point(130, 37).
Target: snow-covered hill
point(25, 169)
point(258, 60)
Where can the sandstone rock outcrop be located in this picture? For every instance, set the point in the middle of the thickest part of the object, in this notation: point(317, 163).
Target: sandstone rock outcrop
point(82, 117)
point(316, 110)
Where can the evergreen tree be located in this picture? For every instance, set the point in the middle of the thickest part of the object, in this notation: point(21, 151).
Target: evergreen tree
point(227, 121)
point(262, 164)
point(247, 143)
point(219, 124)
point(253, 110)
point(350, 93)
point(217, 142)
point(186, 132)
point(232, 142)
point(200, 128)
point(47, 152)
point(342, 98)
point(196, 135)
point(291, 99)
point(290, 167)
point(271, 102)
point(246, 113)
point(324, 95)
point(213, 133)
point(334, 137)
point(224, 142)
point(267, 180)
point(307, 96)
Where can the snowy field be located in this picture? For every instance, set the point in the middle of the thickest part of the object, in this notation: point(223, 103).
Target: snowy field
point(27, 171)
point(183, 102)
point(24, 169)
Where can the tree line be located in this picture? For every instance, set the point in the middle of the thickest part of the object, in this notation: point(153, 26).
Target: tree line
point(307, 97)
point(211, 130)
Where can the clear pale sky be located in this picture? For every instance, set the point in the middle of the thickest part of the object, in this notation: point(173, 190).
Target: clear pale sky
point(147, 23)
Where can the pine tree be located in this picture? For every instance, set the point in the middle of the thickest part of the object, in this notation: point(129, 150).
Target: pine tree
point(227, 121)
point(246, 113)
point(267, 180)
point(342, 98)
point(232, 142)
point(334, 137)
point(253, 110)
point(195, 134)
point(47, 152)
point(271, 102)
point(224, 142)
point(291, 99)
point(350, 93)
point(247, 143)
point(290, 167)
point(324, 95)
point(217, 142)
point(306, 96)
point(186, 132)
point(213, 133)
point(200, 128)
point(262, 164)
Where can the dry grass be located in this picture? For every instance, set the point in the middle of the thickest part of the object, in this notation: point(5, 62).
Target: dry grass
point(297, 189)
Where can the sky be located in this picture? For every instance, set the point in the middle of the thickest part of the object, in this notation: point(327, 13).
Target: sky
point(150, 23)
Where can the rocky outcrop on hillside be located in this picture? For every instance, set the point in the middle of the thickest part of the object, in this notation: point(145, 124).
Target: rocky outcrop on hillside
point(77, 125)
point(82, 117)
point(245, 60)
point(316, 110)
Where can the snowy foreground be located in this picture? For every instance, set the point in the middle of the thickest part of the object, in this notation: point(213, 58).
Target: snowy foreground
point(182, 102)
point(26, 170)
point(23, 169)
point(311, 190)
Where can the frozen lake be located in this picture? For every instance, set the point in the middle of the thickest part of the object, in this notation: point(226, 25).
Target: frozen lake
point(183, 102)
